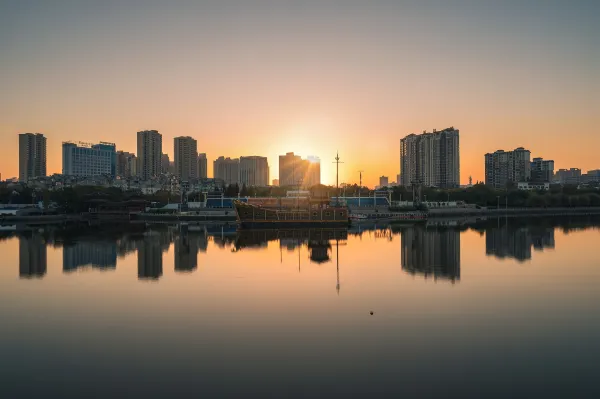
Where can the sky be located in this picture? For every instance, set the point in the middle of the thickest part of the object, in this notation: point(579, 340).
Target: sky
point(312, 76)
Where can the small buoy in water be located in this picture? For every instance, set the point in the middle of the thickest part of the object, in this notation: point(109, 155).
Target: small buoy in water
point(371, 312)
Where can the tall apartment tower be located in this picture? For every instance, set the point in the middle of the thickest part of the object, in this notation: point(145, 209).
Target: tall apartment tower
point(502, 167)
point(312, 175)
point(254, 171)
point(227, 169)
point(149, 152)
point(431, 159)
point(126, 164)
point(202, 166)
point(290, 172)
point(542, 170)
point(32, 156)
point(186, 158)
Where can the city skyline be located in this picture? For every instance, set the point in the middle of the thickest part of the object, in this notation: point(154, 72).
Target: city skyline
point(312, 77)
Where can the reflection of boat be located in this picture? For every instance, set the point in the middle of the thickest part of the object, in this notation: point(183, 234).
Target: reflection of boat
point(253, 216)
point(358, 216)
point(259, 237)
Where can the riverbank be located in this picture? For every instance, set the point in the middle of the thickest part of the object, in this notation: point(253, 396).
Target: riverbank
point(558, 211)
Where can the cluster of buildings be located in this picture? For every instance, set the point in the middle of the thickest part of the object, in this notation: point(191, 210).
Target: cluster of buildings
point(503, 168)
point(430, 159)
point(86, 161)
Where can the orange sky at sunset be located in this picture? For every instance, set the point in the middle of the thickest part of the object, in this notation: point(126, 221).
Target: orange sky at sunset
point(313, 79)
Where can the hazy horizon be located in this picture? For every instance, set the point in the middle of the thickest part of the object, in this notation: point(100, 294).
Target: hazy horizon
point(312, 77)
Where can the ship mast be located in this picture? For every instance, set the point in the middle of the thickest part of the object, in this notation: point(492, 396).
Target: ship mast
point(337, 175)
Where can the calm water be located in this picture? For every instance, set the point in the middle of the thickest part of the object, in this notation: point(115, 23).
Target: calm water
point(493, 309)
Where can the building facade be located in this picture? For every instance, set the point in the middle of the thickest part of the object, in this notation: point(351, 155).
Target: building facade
point(431, 159)
point(254, 171)
point(149, 153)
point(568, 176)
point(294, 171)
point(384, 181)
point(186, 158)
point(87, 160)
point(227, 169)
point(542, 170)
point(126, 164)
point(165, 164)
point(32, 156)
point(502, 167)
point(202, 166)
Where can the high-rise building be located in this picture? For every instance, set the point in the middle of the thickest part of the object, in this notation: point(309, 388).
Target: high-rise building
point(126, 164)
point(502, 167)
point(294, 171)
point(312, 174)
point(227, 169)
point(202, 166)
point(149, 152)
point(384, 181)
point(290, 169)
point(542, 170)
point(86, 160)
point(568, 176)
point(165, 164)
point(32, 156)
point(431, 159)
point(254, 171)
point(186, 158)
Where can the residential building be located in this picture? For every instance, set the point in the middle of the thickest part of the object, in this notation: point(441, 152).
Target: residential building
point(568, 176)
point(384, 181)
point(165, 164)
point(202, 166)
point(149, 152)
point(254, 171)
point(312, 174)
point(542, 170)
point(592, 176)
point(87, 160)
point(502, 167)
point(32, 156)
point(126, 164)
point(290, 169)
point(431, 159)
point(186, 158)
point(293, 170)
point(227, 169)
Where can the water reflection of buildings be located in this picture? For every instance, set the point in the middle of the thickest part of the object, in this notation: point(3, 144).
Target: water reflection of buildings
point(150, 257)
point(32, 256)
point(98, 254)
point(186, 253)
point(516, 242)
point(431, 252)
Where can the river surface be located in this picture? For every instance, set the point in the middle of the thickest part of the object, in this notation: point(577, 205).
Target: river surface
point(499, 308)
